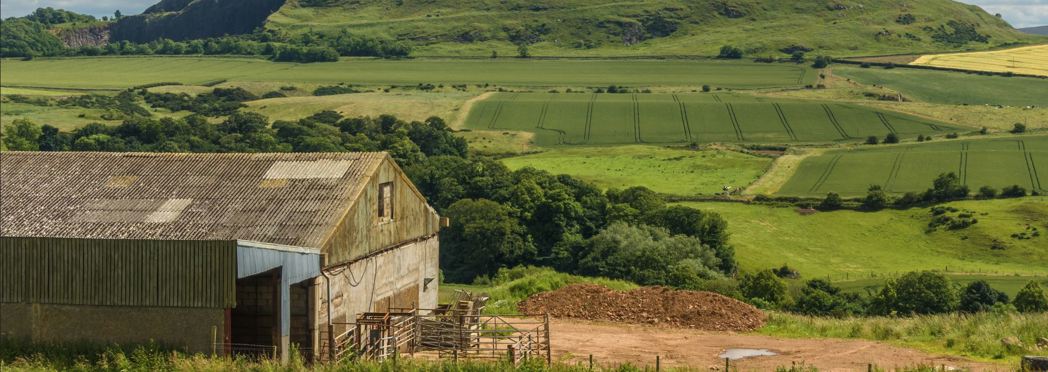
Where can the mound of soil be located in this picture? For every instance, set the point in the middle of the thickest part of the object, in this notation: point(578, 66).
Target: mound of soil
point(647, 305)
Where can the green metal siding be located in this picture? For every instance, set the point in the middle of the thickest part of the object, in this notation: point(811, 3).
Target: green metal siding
point(111, 272)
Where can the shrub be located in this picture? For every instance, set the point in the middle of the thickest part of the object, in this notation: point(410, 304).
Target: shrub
point(872, 140)
point(1031, 299)
point(907, 200)
point(946, 187)
point(820, 298)
point(705, 88)
point(730, 52)
point(822, 62)
point(764, 286)
point(648, 255)
point(987, 192)
point(923, 292)
point(979, 296)
point(891, 138)
point(1018, 128)
point(875, 199)
point(787, 272)
point(1013, 191)
point(832, 202)
point(333, 90)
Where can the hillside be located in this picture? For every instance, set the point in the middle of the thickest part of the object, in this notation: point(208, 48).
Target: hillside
point(662, 27)
point(194, 19)
point(1041, 30)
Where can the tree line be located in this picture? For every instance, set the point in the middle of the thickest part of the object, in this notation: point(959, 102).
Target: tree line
point(914, 293)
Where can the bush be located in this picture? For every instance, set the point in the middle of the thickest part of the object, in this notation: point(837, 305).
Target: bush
point(764, 286)
point(946, 187)
point(875, 199)
point(730, 52)
point(822, 62)
point(872, 140)
point(1031, 299)
point(1018, 128)
point(891, 138)
point(907, 200)
point(979, 296)
point(820, 298)
point(987, 192)
point(832, 202)
point(923, 292)
point(1013, 191)
point(333, 90)
point(705, 88)
point(648, 255)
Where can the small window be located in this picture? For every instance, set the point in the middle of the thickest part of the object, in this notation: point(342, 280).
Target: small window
point(385, 201)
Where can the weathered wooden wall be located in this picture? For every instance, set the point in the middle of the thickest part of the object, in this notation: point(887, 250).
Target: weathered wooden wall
point(362, 233)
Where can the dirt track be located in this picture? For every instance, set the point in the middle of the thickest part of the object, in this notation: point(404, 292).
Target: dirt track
point(612, 343)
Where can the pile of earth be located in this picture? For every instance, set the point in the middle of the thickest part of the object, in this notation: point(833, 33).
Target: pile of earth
point(647, 305)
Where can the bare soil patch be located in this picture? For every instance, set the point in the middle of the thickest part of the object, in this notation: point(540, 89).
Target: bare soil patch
point(616, 343)
point(647, 305)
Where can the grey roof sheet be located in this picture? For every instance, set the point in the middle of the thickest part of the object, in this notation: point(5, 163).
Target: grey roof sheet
point(292, 199)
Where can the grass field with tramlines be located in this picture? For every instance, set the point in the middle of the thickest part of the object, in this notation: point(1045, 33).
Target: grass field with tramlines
point(996, 163)
point(603, 119)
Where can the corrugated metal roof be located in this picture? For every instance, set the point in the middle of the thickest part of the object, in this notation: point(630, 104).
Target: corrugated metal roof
point(180, 196)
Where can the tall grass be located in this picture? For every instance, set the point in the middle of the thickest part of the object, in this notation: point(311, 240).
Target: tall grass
point(973, 335)
point(510, 286)
point(151, 358)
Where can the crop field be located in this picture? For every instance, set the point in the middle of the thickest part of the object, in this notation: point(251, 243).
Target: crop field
point(407, 106)
point(953, 87)
point(1031, 60)
point(601, 119)
point(124, 72)
point(853, 246)
point(664, 170)
point(997, 163)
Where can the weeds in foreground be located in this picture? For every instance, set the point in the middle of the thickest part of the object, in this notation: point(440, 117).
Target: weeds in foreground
point(977, 335)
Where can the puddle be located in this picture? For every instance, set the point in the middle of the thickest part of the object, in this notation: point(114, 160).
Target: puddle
point(736, 354)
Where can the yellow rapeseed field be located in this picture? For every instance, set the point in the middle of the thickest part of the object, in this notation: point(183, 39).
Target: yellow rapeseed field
point(1030, 60)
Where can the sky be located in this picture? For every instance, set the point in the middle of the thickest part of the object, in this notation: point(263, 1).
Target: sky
point(1020, 13)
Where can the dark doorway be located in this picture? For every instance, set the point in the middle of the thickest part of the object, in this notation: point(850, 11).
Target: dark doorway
point(255, 321)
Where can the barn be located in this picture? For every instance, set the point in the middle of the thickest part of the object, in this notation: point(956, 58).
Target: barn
point(213, 253)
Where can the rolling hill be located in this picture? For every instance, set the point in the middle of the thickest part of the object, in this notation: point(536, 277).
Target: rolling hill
point(662, 27)
point(1041, 30)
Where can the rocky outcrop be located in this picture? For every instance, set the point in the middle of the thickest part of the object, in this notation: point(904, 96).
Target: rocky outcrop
point(95, 35)
point(196, 19)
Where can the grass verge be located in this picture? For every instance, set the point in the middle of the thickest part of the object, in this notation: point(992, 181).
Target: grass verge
point(976, 336)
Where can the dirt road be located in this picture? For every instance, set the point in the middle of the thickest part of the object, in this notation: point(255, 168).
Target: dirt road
point(612, 344)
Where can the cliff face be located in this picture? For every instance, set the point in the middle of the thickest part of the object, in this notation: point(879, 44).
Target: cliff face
point(97, 35)
point(195, 19)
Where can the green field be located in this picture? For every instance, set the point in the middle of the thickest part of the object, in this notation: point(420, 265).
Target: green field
point(953, 87)
point(849, 245)
point(996, 163)
point(123, 72)
point(602, 119)
point(665, 170)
